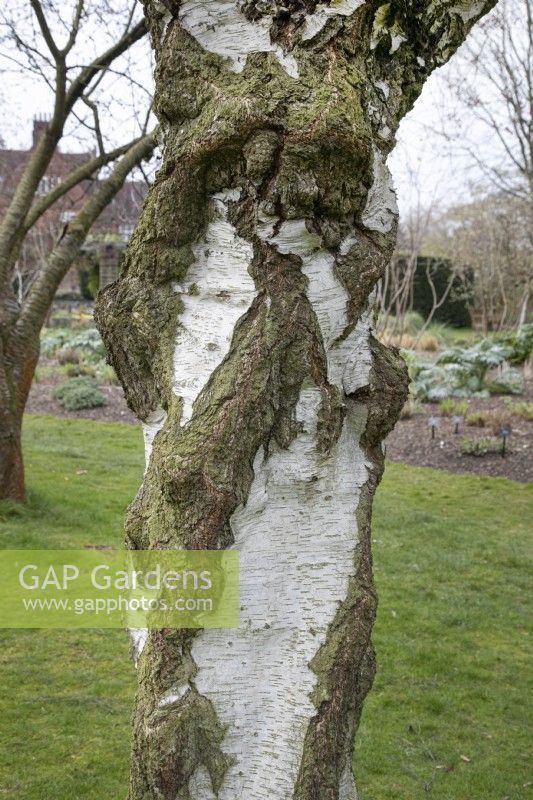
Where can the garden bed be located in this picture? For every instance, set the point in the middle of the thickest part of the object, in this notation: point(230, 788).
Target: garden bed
point(74, 348)
point(41, 400)
point(411, 441)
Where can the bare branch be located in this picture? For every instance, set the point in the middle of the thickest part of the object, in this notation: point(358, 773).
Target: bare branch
point(81, 82)
point(97, 130)
point(45, 30)
point(60, 259)
point(75, 27)
point(83, 173)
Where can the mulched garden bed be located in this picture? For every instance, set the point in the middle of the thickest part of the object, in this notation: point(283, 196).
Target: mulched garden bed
point(410, 442)
point(41, 401)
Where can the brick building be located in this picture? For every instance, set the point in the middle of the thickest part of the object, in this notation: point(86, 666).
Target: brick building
point(114, 226)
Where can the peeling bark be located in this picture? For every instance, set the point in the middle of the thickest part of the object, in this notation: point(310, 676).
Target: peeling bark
point(241, 331)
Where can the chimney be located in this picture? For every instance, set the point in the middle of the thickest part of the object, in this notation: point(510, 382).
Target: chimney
point(40, 123)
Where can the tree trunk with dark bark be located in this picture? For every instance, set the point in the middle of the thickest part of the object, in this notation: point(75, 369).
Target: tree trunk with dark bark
point(12, 484)
point(18, 359)
point(241, 331)
point(20, 325)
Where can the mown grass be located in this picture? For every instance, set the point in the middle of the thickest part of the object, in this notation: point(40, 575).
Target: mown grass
point(451, 567)
point(451, 562)
point(66, 695)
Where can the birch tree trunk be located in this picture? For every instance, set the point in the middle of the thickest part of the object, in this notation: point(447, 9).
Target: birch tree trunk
point(240, 330)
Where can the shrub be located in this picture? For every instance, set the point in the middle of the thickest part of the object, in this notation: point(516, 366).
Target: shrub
point(78, 393)
point(88, 341)
point(73, 348)
point(471, 364)
point(433, 383)
point(67, 355)
point(510, 381)
point(463, 372)
point(478, 418)
point(52, 340)
point(480, 446)
point(450, 407)
point(494, 419)
point(75, 370)
point(520, 344)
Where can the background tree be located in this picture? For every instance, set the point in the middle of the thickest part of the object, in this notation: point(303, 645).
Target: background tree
point(488, 120)
point(488, 241)
point(475, 128)
point(240, 332)
point(52, 43)
point(395, 291)
point(489, 110)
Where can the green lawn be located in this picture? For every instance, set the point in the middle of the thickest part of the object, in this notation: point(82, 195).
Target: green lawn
point(460, 337)
point(447, 716)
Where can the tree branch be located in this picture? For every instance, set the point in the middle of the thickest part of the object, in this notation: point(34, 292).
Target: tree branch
point(84, 172)
point(67, 248)
point(81, 82)
point(12, 224)
point(45, 30)
point(76, 20)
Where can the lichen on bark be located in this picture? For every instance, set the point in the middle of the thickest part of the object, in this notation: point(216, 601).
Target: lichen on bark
point(291, 141)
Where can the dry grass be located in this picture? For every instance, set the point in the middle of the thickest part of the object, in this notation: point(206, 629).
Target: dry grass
point(410, 409)
point(427, 342)
point(491, 419)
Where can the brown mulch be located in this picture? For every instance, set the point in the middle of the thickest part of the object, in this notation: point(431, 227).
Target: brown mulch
point(411, 442)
